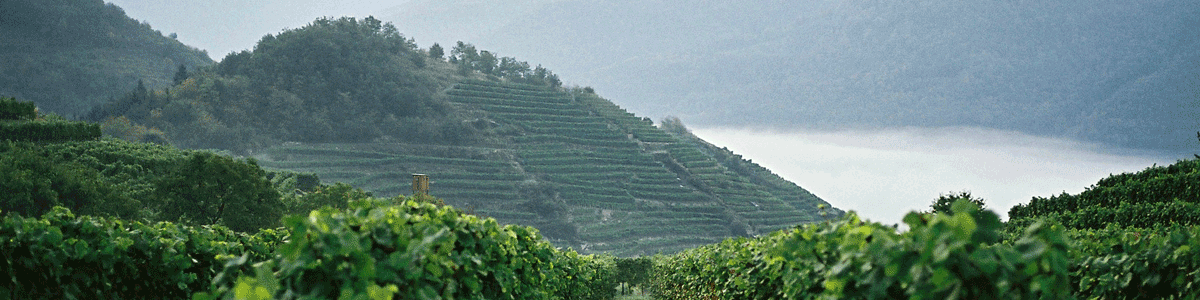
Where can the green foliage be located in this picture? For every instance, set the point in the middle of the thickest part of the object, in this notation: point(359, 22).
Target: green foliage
point(634, 271)
point(436, 51)
point(1156, 196)
point(64, 256)
point(954, 256)
point(49, 131)
point(944, 202)
point(131, 167)
point(1134, 263)
point(334, 80)
point(180, 75)
point(19, 121)
point(11, 109)
point(148, 181)
point(211, 189)
point(336, 196)
point(34, 182)
point(293, 183)
point(468, 59)
point(941, 256)
point(412, 250)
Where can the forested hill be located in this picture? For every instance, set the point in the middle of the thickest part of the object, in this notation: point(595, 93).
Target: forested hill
point(69, 55)
point(353, 100)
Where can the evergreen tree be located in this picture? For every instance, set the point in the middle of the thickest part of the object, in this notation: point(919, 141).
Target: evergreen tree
point(436, 51)
point(181, 74)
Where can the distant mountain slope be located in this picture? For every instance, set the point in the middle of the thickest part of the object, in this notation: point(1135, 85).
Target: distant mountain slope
point(584, 171)
point(68, 56)
point(1118, 72)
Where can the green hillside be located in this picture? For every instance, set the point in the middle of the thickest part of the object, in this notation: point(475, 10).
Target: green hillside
point(68, 56)
point(355, 101)
point(584, 171)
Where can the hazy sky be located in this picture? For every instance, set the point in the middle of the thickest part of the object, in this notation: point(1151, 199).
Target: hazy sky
point(884, 174)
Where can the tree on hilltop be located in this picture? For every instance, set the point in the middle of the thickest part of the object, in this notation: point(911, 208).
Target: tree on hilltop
point(945, 201)
point(436, 51)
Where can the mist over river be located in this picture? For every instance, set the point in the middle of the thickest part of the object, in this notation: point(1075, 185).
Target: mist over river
point(884, 174)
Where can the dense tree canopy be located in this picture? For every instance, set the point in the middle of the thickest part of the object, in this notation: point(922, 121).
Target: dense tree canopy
point(334, 80)
point(212, 189)
point(468, 59)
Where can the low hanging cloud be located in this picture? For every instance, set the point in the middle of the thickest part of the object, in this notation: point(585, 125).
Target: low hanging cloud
point(884, 174)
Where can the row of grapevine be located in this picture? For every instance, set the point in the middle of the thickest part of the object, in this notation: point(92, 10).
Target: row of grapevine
point(512, 88)
point(665, 186)
point(940, 256)
point(467, 93)
point(545, 138)
point(375, 249)
point(1136, 263)
point(676, 197)
point(1155, 184)
point(64, 256)
point(535, 110)
point(463, 195)
point(516, 117)
point(486, 98)
point(1141, 215)
point(594, 169)
point(1156, 196)
point(576, 160)
point(414, 250)
point(49, 131)
point(583, 133)
point(612, 231)
point(376, 157)
point(564, 126)
point(11, 109)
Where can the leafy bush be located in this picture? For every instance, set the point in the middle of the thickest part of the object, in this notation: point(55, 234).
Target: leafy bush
point(414, 250)
point(34, 182)
point(49, 131)
point(11, 109)
point(1169, 192)
point(1137, 263)
point(941, 256)
point(64, 256)
point(212, 189)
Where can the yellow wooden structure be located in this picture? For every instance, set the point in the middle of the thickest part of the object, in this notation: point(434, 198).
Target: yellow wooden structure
point(420, 184)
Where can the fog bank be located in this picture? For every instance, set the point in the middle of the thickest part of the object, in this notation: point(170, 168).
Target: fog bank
point(886, 173)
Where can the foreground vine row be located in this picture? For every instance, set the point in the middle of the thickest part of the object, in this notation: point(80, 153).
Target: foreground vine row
point(376, 249)
point(960, 255)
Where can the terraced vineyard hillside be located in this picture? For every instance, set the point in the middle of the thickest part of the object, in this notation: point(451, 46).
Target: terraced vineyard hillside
point(587, 173)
